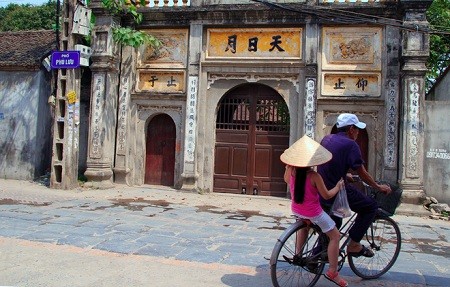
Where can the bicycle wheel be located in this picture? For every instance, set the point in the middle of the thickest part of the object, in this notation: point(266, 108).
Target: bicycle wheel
point(294, 263)
point(384, 237)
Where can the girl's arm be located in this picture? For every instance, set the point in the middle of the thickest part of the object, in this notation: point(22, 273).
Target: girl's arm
point(317, 181)
point(288, 173)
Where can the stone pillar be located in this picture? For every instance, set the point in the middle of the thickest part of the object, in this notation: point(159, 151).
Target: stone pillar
point(122, 163)
point(189, 174)
point(104, 97)
point(414, 55)
point(312, 32)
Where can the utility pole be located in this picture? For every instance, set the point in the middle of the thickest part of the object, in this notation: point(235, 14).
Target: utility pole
point(64, 174)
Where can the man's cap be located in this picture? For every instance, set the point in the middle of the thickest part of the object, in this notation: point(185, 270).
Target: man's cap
point(305, 152)
point(344, 120)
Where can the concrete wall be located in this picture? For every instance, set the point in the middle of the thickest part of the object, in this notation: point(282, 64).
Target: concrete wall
point(25, 124)
point(437, 150)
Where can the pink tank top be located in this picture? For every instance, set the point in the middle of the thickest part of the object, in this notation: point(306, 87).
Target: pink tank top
point(310, 206)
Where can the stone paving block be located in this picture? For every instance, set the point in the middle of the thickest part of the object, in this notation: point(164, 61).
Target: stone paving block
point(161, 251)
point(199, 254)
point(80, 241)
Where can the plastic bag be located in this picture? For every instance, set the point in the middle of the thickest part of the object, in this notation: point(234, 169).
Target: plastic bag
point(340, 207)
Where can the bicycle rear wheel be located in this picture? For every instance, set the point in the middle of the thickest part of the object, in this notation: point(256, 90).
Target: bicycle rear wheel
point(294, 263)
point(384, 237)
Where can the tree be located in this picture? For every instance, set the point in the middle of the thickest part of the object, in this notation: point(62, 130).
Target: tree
point(438, 15)
point(129, 36)
point(27, 17)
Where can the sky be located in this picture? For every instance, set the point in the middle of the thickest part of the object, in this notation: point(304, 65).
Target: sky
point(4, 3)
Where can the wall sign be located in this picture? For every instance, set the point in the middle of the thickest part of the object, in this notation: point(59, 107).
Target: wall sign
point(255, 43)
point(65, 59)
point(354, 84)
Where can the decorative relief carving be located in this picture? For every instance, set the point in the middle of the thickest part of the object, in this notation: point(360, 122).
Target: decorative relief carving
point(354, 49)
point(101, 42)
point(252, 78)
point(171, 54)
point(351, 48)
point(159, 108)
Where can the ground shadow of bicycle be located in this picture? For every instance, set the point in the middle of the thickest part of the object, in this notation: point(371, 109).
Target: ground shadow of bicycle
point(391, 279)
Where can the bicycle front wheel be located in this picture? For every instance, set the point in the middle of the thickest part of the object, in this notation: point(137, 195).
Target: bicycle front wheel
point(293, 261)
point(384, 237)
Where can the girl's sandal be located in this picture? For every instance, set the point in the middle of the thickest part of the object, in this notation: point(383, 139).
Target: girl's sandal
point(332, 277)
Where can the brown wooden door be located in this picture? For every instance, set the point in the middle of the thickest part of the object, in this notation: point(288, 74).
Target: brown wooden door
point(252, 130)
point(160, 151)
point(363, 142)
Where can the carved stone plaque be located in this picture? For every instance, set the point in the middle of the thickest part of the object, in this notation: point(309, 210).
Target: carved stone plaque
point(351, 84)
point(351, 48)
point(161, 81)
point(252, 43)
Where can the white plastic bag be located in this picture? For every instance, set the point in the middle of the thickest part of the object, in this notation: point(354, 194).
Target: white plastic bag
point(340, 206)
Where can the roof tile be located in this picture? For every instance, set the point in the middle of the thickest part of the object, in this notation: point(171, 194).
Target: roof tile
point(25, 49)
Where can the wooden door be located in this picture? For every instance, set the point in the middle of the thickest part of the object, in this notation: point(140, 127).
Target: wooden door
point(252, 130)
point(160, 151)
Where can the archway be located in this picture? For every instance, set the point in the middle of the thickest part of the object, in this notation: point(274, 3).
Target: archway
point(160, 151)
point(252, 130)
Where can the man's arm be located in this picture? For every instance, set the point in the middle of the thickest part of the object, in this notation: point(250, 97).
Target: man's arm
point(367, 178)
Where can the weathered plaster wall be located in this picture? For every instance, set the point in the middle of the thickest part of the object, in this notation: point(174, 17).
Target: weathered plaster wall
point(437, 150)
point(442, 91)
point(25, 125)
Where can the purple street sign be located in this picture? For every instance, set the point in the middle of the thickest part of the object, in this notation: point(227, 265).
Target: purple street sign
point(65, 59)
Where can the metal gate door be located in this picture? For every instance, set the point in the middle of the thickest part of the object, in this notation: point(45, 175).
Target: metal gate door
point(160, 151)
point(252, 130)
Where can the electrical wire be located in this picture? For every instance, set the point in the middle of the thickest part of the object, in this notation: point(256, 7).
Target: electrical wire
point(350, 17)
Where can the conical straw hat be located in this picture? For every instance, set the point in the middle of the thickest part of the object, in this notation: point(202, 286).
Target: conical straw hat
point(306, 152)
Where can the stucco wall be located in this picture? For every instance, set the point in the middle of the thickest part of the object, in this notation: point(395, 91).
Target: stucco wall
point(437, 151)
point(442, 90)
point(25, 124)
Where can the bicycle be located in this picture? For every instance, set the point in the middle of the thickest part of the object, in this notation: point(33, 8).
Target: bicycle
point(293, 265)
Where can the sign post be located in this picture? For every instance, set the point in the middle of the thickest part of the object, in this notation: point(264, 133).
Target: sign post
point(65, 59)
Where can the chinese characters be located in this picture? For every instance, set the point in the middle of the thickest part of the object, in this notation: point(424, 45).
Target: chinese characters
point(253, 44)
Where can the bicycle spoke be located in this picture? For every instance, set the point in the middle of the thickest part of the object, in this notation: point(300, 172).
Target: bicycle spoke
point(384, 238)
point(290, 259)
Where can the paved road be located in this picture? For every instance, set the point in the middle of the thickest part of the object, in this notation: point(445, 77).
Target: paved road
point(152, 236)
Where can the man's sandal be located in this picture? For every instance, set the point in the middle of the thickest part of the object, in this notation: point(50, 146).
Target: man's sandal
point(332, 277)
point(366, 252)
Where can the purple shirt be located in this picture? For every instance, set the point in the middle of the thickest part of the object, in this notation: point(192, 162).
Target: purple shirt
point(346, 155)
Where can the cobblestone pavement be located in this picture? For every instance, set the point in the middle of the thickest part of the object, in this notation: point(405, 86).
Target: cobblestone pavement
point(229, 231)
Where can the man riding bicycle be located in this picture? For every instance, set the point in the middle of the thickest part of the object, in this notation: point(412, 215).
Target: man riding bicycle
point(347, 157)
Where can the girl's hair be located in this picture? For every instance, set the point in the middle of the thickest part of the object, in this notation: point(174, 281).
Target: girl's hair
point(300, 180)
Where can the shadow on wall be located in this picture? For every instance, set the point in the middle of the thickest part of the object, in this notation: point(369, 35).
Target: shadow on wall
point(24, 125)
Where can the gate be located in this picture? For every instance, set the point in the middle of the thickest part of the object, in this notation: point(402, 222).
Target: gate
point(160, 151)
point(252, 131)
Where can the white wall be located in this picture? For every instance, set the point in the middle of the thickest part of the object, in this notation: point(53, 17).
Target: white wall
point(437, 150)
point(25, 125)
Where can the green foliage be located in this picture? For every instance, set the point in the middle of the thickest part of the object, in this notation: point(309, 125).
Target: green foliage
point(129, 36)
point(27, 17)
point(438, 15)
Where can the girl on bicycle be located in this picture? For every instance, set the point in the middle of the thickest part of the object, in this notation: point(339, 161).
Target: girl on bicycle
point(305, 185)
